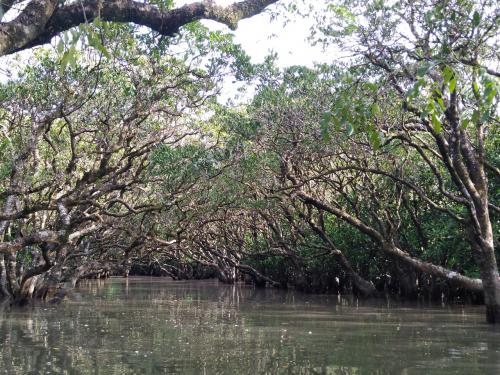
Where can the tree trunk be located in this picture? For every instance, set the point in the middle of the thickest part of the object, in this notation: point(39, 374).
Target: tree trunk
point(10, 273)
point(4, 291)
point(364, 287)
point(485, 258)
point(227, 274)
point(468, 167)
point(484, 250)
point(406, 277)
point(26, 291)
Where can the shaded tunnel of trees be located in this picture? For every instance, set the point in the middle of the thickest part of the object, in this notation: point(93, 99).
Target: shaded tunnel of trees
point(376, 175)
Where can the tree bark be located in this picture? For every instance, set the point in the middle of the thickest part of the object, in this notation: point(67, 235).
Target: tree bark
point(471, 179)
point(4, 292)
point(485, 259)
point(407, 280)
point(10, 273)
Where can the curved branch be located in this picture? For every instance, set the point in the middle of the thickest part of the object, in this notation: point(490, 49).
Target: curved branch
point(390, 248)
point(18, 35)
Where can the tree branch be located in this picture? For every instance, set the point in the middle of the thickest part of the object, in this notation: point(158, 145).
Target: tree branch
point(49, 21)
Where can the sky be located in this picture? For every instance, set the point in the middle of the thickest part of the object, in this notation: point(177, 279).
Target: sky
point(259, 35)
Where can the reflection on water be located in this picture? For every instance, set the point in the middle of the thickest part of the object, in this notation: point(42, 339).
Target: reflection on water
point(157, 326)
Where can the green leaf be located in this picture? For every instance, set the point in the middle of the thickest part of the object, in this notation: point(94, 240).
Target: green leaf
point(453, 84)
point(375, 138)
point(475, 117)
point(60, 46)
point(95, 42)
point(64, 61)
point(490, 92)
point(375, 109)
point(422, 70)
point(464, 123)
point(75, 34)
point(476, 19)
point(349, 129)
point(448, 74)
point(69, 57)
point(371, 86)
point(325, 126)
point(491, 95)
point(436, 124)
point(415, 89)
point(475, 87)
point(439, 100)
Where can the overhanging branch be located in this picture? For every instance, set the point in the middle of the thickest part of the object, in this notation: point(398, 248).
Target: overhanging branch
point(16, 35)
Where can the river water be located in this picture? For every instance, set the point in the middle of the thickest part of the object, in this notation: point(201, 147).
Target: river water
point(158, 326)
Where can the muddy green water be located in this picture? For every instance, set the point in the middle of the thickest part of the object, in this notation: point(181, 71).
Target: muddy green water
point(158, 326)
